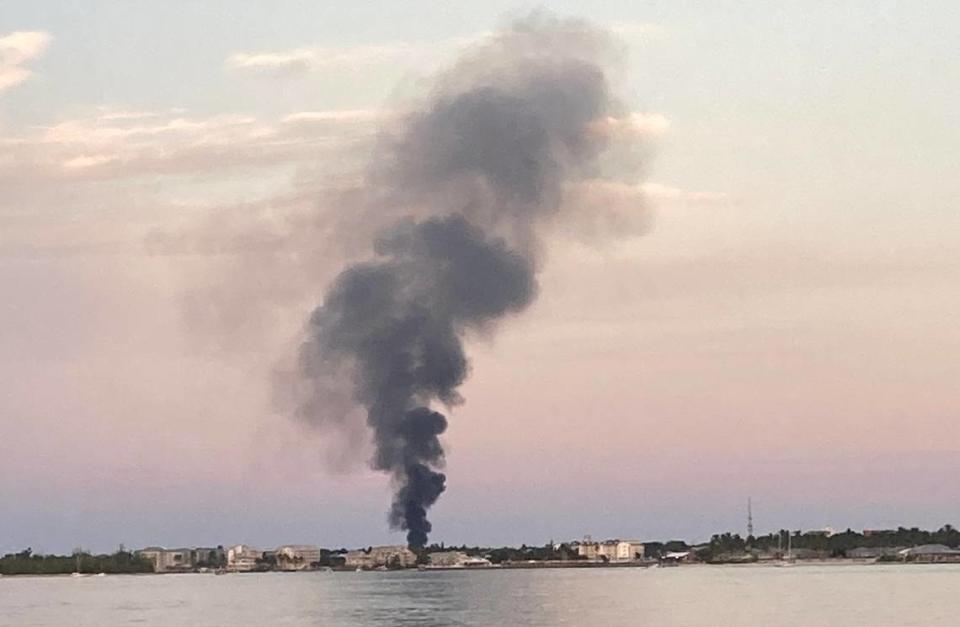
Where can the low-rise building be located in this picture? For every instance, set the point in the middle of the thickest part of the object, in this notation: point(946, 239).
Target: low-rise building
point(207, 557)
point(381, 556)
point(297, 557)
point(448, 558)
point(930, 553)
point(872, 552)
point(587, 549)
point(610, 550)
point(168, 560)
point(629, 550)
point(242, 558)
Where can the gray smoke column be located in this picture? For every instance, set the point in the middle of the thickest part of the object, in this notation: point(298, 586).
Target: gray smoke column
point(465, 185)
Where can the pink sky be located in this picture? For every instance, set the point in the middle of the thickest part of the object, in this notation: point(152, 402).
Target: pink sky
point(775, 316)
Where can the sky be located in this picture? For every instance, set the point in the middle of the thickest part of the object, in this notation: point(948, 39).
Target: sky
point(778, 319)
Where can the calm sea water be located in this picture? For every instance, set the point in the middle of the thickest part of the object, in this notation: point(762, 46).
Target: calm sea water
point(691, 595)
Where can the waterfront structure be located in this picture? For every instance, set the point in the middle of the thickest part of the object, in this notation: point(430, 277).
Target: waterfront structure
point(930, 553)
point(611, 550)
point(607, 550)
point(629, 550)
point(448, 558)
point(243, 558)
point(207, 557)
point(168, 560)
point(381, 556)
point(676, 557)
point(455, 559)
point(297, 557)
point(872, 552)
point(587, 549)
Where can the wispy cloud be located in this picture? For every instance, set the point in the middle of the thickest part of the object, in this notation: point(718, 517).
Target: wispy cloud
point(17, 49)
point(292, 61)
point(343, 116)
point(118, 143)
point(308, 59)
point(661, 192)
point(604, 210)
point(632, 125)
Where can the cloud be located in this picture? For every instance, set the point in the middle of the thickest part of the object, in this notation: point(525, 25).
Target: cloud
point(116, 144)
point(636, 124)
point(305, 59)
point(661, 192)
point(253, 175)
point(292, 61)
point(600, 211)
point(309, 59)
point(346, 117)
point(16, 49)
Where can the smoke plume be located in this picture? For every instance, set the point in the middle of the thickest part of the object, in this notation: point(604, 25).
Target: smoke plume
point(465, 185)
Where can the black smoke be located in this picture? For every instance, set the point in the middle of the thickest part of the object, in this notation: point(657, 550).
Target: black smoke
point(469, 179)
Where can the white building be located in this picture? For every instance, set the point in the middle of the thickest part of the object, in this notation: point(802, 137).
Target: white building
point(629, 550)
point(611, 550)
point(297, 556)
point(242, 558)
point(448, 558)
point(587, 549)
point(385, 556)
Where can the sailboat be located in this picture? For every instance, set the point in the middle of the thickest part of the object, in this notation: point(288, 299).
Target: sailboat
point(76, 572)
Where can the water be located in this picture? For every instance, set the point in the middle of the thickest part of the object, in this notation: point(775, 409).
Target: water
point(687, 596)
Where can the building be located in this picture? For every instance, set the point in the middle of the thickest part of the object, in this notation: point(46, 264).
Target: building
point(381, 556)
point(587, 549)
point(678, 557)
point(448, 558)
point(930, 553)
point(607, 550)
point(610, 550)
point(873, 552)
point(629, 550)
point(242, 558)
point(206, 557)
point(168, 560)
point(297, 557)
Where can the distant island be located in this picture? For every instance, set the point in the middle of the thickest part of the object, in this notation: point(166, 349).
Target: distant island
point(869, 545)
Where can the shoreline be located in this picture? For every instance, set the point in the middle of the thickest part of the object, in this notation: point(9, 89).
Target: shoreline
point(832, 562)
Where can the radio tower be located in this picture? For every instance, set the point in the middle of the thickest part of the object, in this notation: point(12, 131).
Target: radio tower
point(749, 517)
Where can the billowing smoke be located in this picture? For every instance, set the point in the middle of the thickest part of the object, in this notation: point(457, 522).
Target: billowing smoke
point(466, 184)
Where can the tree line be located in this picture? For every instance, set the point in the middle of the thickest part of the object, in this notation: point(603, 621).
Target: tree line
point(726, 545)
point(27, 562)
